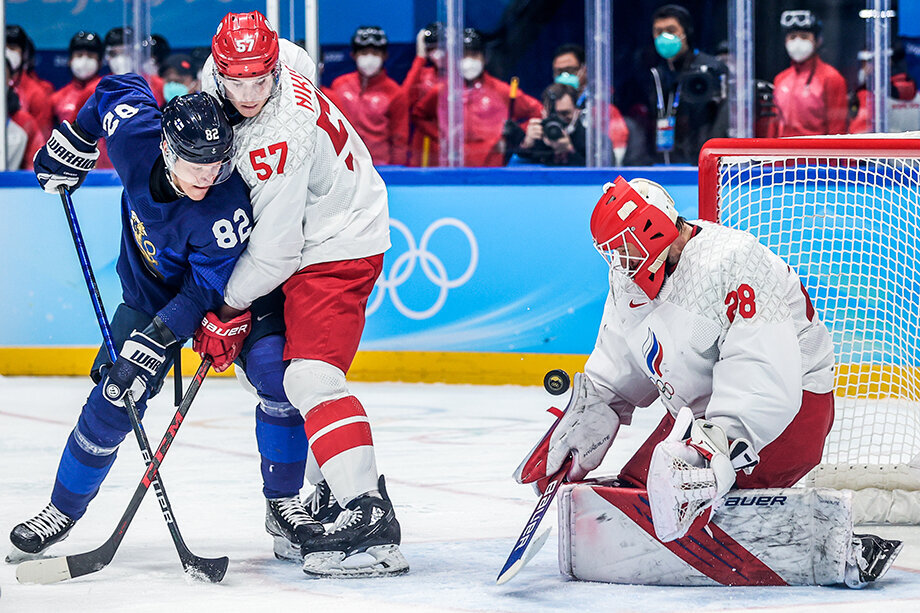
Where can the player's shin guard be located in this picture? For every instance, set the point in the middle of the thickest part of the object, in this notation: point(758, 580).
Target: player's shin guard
point(339, 435)
point(283, 446)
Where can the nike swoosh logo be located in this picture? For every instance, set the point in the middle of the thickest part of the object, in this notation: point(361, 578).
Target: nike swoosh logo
point(261, 317)
point(633, 304)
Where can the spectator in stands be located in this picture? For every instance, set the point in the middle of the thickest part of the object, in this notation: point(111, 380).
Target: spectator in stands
point(810, 96)
point(557, 138)
point(180, 76)
point(16, 138)
point(33, 92)
point(487, 104)
point(422, 77)
point(903, 98)
point(86, 51)
point(23, 120)
point(687, 90)
point(372, 101)
point(118, 43)
point(569, 69)
point(159, 51)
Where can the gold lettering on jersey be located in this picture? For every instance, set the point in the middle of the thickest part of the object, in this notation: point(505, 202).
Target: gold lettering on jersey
point(302, 88)
point(147, 248)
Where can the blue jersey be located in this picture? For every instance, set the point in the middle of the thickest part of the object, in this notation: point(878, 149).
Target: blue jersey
point(176, 256)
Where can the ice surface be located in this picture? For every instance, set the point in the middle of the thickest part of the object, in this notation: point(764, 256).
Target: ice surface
point(447, 451)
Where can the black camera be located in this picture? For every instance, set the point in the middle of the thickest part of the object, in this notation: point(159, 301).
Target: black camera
point(700, 86)
point(553, 127)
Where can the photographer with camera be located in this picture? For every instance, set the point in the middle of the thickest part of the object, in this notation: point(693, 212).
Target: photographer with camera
point(687, 89)
point(557, 138)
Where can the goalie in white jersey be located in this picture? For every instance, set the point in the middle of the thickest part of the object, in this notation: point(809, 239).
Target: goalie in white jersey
point(321, 227)
point(721, 330)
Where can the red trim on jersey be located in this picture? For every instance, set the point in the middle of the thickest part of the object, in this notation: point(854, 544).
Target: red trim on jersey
point(340, 438)
point(719, 556)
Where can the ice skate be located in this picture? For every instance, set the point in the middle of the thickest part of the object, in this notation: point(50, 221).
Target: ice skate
point(322, 505)
point(289, 523)
point(35, 535)
point(874, 556)
point(363, 542)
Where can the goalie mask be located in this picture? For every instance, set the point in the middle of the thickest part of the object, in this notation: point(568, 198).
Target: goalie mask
point(197, 140)
point(245, 51)
point(633, 224)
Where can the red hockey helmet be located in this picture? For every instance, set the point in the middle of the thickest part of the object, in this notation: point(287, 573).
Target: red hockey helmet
point(245, 45)
point(633, 224)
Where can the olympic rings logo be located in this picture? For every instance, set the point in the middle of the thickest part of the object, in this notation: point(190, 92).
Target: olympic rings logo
point(431, 266)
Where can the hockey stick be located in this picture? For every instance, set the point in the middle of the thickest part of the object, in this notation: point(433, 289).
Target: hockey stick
point(526, 547)
point(201, 567)
point(52, 570)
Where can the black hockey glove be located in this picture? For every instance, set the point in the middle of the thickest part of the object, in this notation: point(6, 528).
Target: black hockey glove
point(140, 359)
point(64, 160)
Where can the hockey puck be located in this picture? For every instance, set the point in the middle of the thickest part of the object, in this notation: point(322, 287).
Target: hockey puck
point(556, 382)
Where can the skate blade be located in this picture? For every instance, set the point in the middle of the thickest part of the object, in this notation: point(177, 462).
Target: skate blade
point(16, 555)
point(379, 561)
point(286, 550)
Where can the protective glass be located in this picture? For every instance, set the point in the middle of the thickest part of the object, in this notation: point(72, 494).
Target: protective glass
point(623, 253)
point(200, 175)
point(250, 90)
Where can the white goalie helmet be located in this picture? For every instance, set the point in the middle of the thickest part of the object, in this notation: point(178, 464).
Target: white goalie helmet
point(633, 224)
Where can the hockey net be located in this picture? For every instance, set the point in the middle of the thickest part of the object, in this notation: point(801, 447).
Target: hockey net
point(845, 213)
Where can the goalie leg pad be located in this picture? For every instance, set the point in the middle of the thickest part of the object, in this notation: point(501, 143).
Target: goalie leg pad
point(757, 537)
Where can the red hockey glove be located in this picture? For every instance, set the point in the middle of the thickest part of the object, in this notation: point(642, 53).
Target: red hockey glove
point(222, 340)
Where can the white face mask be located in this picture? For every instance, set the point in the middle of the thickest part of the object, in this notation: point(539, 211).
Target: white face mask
point(470, 68)
point(369, 64)
point(150, 66)
point(120, 64)
point(799, 49)
point(861, 76)
point(84, 67)
point(14, 57)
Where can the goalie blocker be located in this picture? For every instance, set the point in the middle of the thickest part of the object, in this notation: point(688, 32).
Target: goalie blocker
point(781, 536)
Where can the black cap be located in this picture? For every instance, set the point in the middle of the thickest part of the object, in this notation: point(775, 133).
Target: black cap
point(119, 36)
point(17, 36)
point(472, 40)
point(369, 36)
point(800, 21)
point(159, 48)
point(433, 33)
point(181, 63)
point(86, 41)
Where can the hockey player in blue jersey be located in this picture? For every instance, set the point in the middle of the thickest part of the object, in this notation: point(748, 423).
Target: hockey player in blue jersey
point(185, 218)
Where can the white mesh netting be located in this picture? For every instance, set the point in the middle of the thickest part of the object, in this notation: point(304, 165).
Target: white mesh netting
point(850, 226)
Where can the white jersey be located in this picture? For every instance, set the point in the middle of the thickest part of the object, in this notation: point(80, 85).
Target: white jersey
point(732, 335)
point(316, 196)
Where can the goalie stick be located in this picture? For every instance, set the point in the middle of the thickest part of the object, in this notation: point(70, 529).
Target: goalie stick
point(527, 547)
point(52, 570)
point(207, 568)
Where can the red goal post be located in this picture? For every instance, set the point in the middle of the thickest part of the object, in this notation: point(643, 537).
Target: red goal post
point(844, 212)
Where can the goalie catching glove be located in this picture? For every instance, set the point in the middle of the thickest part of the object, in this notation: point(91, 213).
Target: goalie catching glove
point(222, 341)
point(65, 159)
point(585, 431)
point(691, 471)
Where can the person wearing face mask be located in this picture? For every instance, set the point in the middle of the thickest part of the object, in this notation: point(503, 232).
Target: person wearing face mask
point(118, 43)
point(372, 101)
point(557, 137)
point(686, 91)
point(33, 91)
point(179, 76)
point(810, 95)
point(422, 77)
point(86, 49)
point(20, 126)
point(486, 104)
point(903, 96)
point(569, 69)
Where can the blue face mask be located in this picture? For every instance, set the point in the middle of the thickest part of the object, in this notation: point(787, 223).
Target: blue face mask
point(667, 45)
point(173, 89)
point(567, 78)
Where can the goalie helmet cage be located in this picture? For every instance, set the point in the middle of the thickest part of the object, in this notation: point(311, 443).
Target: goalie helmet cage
point(844, 212)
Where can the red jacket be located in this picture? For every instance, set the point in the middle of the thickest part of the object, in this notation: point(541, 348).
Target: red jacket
point(36, 140)
point(377, 110)
point(422, 77)
point(485, 109)
point(811, 99)
point(34, 95)
point(617, 130)
point(67, 102)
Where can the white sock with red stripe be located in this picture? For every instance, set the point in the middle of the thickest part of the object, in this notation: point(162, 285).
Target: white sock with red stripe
point(340, 440)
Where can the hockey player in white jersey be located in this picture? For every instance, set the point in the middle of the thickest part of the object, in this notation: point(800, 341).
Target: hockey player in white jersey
point(719, 329)
point(321, 227)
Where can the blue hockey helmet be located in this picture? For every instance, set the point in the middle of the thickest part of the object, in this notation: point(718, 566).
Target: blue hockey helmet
point(195, 131)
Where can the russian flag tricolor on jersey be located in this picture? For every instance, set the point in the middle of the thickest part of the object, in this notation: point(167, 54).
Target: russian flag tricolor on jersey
point(653, 354)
